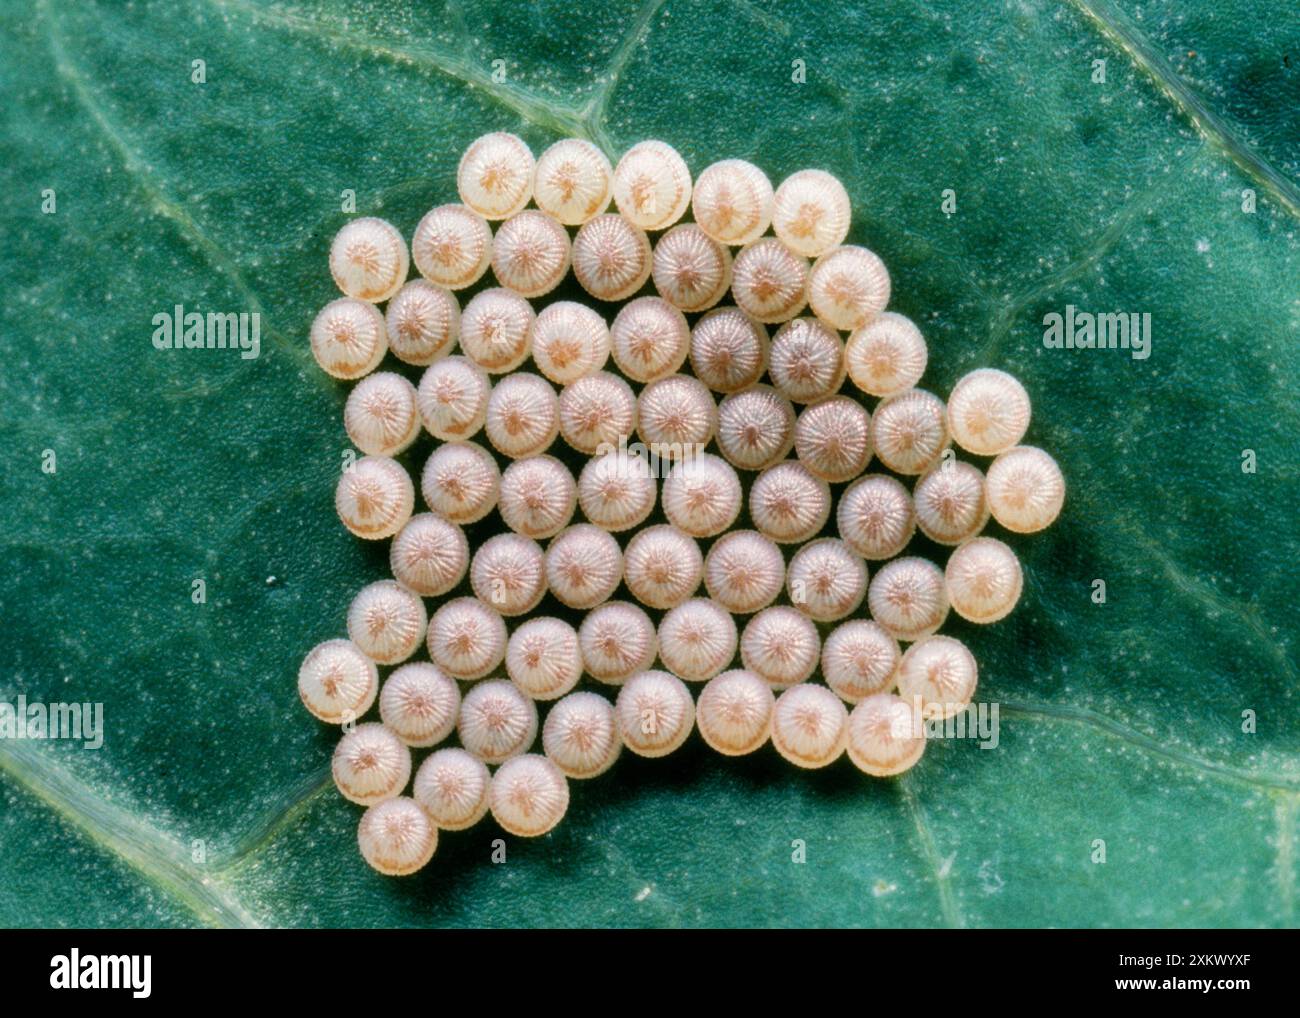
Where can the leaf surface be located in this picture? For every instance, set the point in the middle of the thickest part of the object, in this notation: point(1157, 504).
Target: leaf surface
point(210, 801)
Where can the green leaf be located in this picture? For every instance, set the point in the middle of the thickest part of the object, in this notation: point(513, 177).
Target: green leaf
point(210, 800)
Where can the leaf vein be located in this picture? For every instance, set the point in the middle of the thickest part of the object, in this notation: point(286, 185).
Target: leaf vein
point(1285, 812)
point(158, 857)
point(1097, 248)
point(295, 803)
point(597, 109)
point(160, 201)
point(941, 869)
point(1048, 712)
point(545, 115)
point(1214, 128)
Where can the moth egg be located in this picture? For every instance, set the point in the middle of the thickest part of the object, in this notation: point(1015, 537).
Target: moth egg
point(467, 639)
point(420, 704)
point(1025, 489)
point(732, 201)
point(371, 764)
point(387, 621)
point(452, 786)
point(885, 736)
point(580, 735)
point(860, 659)
point(495, 175)
point(374, 497)
point(570, 341)
point(769, 281)
point(597, 411)
point(827, 580)
point(617, 640)
point(617, 491)
point(697, 639)
point(984, 580)
point(875, 517)
point(950, 503)
point(788, 504)
point(909, 432)
point(652, 185)
point(702, 495)
point(538, 496)
point(422, 323)
point(523, 415)
point(781, 645)
point(734, 712)
point(806, 361)
point(832, 438)
point(337, 681)
point(348, 338)
point(728, 350)
point(940, 673)
point(429, 555)
point(496, 721)
point(461, 482)
point(676, 416)
point(542, 658)
point(508, 572)
point(584, 566)
point(496, 330)
point(755, 428)
point(368, 259)
point(887, 356)
point(530, 253)
point(380, 416)
point(452, 398)
point(528, 796)
point(452, 246)
point(988, 412)
point(810, 726)
point(848, 286)
point(397, 837)
point(744, 571)
point(908, 598)
point(649, 339)
point(662, 567)
point(574, 181)
point(611, 258)
point(655, 713)
point(691, 270)
point(811, 212)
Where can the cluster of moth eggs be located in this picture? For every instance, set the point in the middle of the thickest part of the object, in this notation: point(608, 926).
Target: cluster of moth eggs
point(795, 432)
